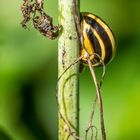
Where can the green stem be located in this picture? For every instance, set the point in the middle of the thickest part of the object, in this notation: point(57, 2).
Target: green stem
point(68, 85)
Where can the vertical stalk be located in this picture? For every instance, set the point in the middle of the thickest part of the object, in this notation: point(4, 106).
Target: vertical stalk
point(68, 86)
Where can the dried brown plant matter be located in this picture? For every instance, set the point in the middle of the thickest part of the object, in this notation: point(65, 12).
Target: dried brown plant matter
point(42, 22)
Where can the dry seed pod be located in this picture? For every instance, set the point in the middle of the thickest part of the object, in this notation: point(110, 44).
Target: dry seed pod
point(44, 25)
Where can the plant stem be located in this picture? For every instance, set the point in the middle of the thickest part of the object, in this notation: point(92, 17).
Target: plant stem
point(68, 85)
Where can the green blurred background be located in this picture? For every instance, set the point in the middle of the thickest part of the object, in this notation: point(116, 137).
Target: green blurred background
point(28, 75)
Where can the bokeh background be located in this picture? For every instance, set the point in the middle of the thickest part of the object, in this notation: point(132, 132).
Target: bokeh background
point(28, 75)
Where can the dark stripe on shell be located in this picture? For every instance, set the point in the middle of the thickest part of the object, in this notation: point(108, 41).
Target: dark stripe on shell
point(95, 44)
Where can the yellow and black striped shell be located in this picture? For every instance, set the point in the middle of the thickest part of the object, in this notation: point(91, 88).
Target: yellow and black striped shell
point(98, 39)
